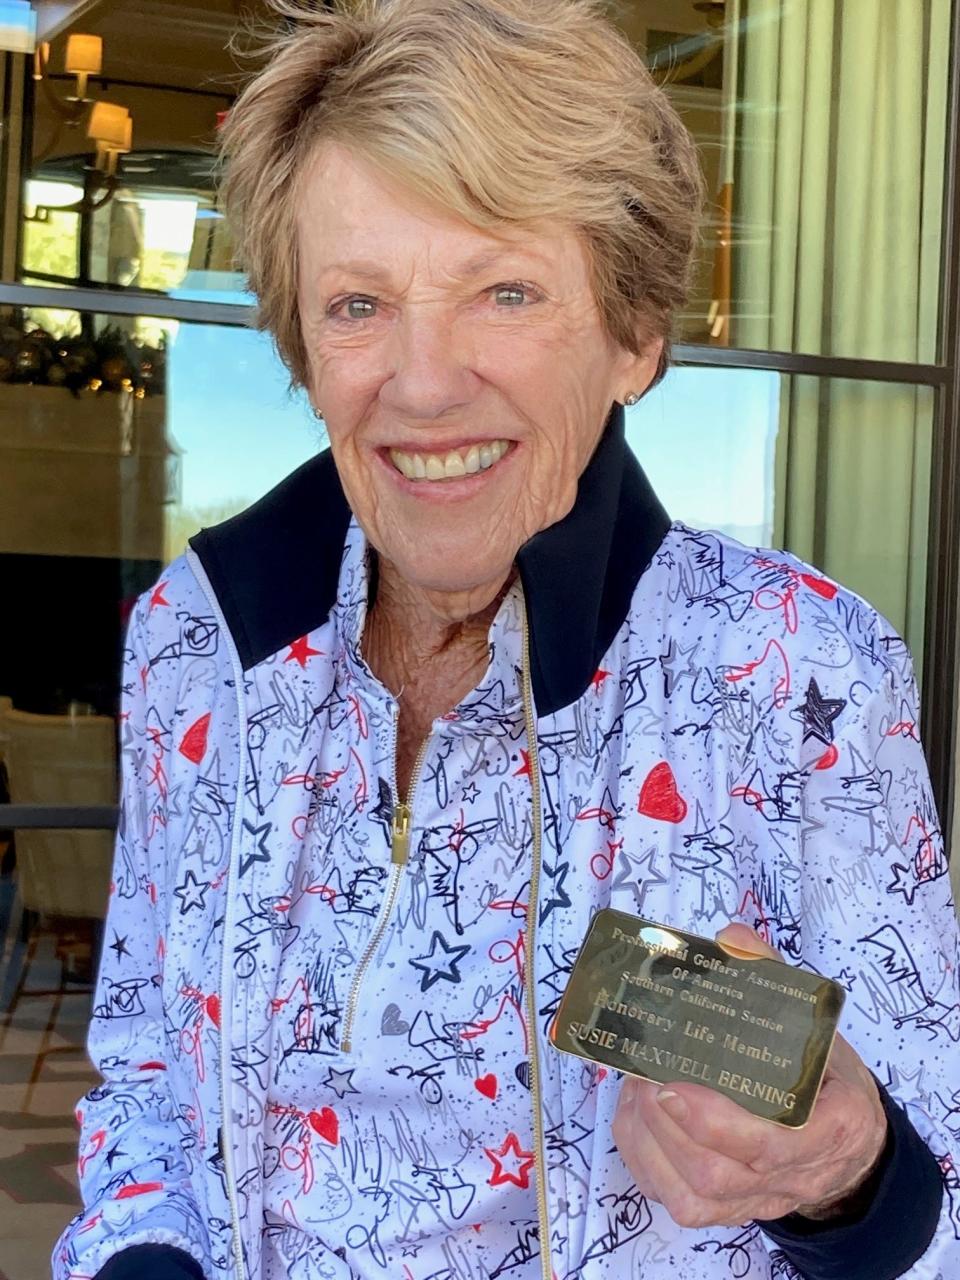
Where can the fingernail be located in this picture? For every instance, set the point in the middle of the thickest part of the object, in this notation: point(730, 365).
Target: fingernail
point(673, 1105)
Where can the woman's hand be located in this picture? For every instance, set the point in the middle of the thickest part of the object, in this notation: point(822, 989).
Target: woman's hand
point(710, 1162)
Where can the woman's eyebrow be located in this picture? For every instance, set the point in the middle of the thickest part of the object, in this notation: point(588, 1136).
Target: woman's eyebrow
point(486, 261)
point(479, 264)
point(369, 270)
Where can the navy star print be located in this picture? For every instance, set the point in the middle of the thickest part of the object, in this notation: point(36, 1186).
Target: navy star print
point(436, 966)
point(818, 713)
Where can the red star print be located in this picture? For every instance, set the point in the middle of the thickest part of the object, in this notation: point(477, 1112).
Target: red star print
point(598, 679)
point(524, 770)
point(301, 652)
point(157, 598)
point(518, 1176)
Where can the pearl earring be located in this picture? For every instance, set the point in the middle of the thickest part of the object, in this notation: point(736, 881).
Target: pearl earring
point(631, 398)
point(318, 414)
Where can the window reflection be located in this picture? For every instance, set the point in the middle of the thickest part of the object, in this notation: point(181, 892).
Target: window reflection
point(779, 98)
point(157, 229)
point(119, 439)
point(170, 66)
point(834, 470)
point(822, 134)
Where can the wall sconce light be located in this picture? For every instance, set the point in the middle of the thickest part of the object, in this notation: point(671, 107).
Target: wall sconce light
point(84, 58)
point(111, 128)
point(114, 153)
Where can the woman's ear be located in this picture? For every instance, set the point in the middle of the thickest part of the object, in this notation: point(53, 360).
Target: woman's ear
point(643, 368)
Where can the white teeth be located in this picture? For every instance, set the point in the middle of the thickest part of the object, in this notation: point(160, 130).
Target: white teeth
point(453, 465)
point(403, 462)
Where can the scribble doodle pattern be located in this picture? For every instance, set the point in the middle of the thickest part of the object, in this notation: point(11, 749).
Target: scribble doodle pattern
point(747, 749)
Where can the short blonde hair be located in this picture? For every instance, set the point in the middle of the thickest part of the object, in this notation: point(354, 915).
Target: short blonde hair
point(501, 111)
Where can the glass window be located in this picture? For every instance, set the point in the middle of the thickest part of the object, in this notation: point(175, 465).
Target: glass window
point(119, 439)
point(821, 128)
point(153, 224)
point(834, 470)
point(822, 132)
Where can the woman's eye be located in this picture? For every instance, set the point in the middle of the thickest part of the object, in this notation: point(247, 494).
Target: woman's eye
point(510, 295)
point(355, 308)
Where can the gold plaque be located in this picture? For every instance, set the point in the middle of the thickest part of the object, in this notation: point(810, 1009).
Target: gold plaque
point(670, 1006)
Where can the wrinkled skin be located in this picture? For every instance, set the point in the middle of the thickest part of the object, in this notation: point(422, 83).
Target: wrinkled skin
point(712, 1163)
point(441, 358)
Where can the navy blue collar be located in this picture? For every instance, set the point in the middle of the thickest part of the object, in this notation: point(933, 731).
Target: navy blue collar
point(276, 566)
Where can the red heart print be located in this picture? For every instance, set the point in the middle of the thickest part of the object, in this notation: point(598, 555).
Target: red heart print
point(601, 1074)
point(212, 1006)
point(325, 1123)
point(829, 757)
point(659, 797)
point(194, 743)
point(827, 590)
point(487, 1085)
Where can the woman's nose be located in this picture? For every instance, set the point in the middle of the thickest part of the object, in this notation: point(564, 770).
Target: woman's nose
point(429, 372)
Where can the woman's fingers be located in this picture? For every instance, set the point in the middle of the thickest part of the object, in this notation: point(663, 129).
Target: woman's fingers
point(697, 1188)
point(712, 1173)
point(652, 1169)
point(741, 941)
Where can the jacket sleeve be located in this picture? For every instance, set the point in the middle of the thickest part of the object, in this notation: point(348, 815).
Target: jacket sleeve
point(892, 1225)
point(134, 1174)
point(151, 1262)
point(877, 915)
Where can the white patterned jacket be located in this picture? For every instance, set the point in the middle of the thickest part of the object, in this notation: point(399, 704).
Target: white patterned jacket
point(721, 733)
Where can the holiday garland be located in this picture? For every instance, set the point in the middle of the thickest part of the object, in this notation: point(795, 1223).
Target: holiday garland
point(110, 362)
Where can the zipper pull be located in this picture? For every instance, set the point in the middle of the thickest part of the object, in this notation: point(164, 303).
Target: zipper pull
point(400, 834)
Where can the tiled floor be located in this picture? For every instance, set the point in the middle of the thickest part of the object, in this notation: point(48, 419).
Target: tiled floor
point(38, 1146)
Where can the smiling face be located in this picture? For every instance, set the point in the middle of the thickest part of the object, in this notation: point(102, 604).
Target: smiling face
point(464, 378)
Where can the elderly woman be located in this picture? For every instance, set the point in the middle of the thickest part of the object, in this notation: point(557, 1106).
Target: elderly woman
point(392, 736)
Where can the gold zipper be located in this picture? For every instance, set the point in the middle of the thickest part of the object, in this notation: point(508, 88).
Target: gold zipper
point(529, 943)
point(400, 826)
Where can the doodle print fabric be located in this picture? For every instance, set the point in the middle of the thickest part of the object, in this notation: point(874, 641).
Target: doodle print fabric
point(746, 749)
point(433, 1103)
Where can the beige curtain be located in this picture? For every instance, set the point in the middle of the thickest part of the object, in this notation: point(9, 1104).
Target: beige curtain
point(838, 186)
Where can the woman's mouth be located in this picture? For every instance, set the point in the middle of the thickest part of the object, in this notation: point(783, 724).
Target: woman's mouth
point(452, 465)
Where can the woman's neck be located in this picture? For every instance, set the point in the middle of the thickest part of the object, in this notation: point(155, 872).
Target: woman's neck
point(429, 649)
point(412, 633)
